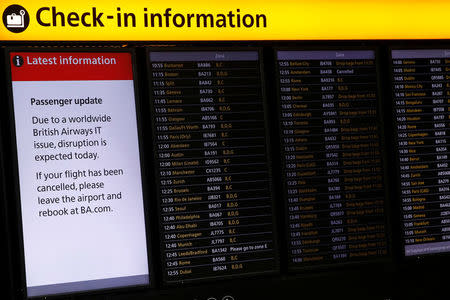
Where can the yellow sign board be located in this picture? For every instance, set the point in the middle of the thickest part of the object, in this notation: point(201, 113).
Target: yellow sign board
point(203, 20)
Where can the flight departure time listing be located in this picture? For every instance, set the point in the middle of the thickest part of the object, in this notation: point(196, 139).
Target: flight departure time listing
point(421, 87)
point(212, 164)
point(331, 153)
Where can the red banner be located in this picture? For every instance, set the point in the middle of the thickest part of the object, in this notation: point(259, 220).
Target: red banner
point(65, 66)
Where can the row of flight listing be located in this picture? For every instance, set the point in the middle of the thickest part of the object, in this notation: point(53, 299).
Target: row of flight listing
point(78, 147)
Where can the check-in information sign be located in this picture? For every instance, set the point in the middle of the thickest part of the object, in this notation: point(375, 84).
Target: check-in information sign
point(231, 20)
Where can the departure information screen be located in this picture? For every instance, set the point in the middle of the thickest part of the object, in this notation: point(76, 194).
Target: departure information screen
point(213, 172)
point(421, 103)
point(333, 175)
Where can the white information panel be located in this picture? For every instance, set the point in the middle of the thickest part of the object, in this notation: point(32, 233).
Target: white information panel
point(79, 171)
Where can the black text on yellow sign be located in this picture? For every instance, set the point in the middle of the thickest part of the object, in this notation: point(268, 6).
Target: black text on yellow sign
point(51, 16)
point(176, 20)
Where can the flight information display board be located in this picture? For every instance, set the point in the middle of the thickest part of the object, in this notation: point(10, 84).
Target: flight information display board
point(215, 193)
point(79, 170)
point(333, 174)
point(421, 106)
